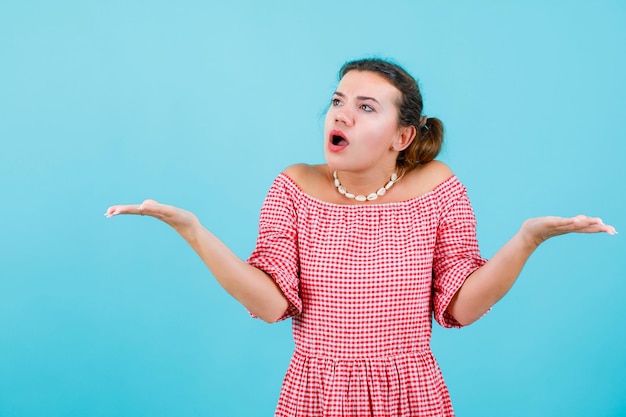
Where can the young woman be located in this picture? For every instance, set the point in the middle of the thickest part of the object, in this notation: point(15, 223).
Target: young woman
point(363, 251)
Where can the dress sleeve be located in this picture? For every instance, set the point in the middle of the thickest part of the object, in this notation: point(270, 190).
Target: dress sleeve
point(276, 251)
point(456, 255)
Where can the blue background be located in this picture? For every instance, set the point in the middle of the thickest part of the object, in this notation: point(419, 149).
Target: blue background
point(202, 104)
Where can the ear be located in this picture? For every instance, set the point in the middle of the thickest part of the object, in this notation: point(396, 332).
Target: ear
point(406, 136)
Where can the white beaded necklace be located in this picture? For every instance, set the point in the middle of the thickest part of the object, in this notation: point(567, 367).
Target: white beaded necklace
point(370, 197)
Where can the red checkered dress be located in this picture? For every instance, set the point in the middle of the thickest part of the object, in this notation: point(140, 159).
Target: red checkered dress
point(363, 282)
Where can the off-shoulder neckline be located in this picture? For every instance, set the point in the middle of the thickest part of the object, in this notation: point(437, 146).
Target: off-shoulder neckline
point(448, 182)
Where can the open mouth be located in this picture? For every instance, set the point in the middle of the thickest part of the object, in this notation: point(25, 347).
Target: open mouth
point(337, 138)
point(338, 141)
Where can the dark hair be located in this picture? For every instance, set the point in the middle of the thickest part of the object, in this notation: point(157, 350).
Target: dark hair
point(429, 137)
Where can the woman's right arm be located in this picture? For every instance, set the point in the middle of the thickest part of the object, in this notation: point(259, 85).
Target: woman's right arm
point(252, 287)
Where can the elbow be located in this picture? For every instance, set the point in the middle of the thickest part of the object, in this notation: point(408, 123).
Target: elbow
point(270, 319)
point(273, 313)
point(464, 313)
point(466, 317)
point(465, 321)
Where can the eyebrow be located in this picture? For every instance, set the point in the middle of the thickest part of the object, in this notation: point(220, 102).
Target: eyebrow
point(337, 93)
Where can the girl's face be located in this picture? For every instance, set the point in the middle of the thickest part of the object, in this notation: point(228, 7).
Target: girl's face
point(361, 130)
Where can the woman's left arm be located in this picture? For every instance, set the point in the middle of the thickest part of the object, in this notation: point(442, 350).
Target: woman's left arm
point(488, 284)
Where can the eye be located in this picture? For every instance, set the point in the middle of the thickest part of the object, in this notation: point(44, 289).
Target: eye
point(367, 108)
point(335, 102)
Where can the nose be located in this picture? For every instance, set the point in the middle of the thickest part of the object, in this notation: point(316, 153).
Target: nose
point(342, 115)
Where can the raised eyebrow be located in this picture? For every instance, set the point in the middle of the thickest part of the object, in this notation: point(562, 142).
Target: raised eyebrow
point(363, 98)
point(342, 95)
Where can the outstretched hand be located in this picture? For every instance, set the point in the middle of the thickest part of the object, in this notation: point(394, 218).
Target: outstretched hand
point(175, 217)
point(541, 229)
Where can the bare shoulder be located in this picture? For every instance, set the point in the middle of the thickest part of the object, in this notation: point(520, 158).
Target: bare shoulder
point(300, 173)
point(307, 177)
point(427, 177)
point(297, 171)
point(436, 171)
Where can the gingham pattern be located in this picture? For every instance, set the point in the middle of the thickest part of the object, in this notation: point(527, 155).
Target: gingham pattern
point(363, 282)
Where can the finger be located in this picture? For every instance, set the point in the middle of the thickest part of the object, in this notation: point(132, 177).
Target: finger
point(149, 208)
point(598, 228)
point(578, 222)
point(583, 218)
point(588, 225)
point(136, 209)
point(111, 211)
